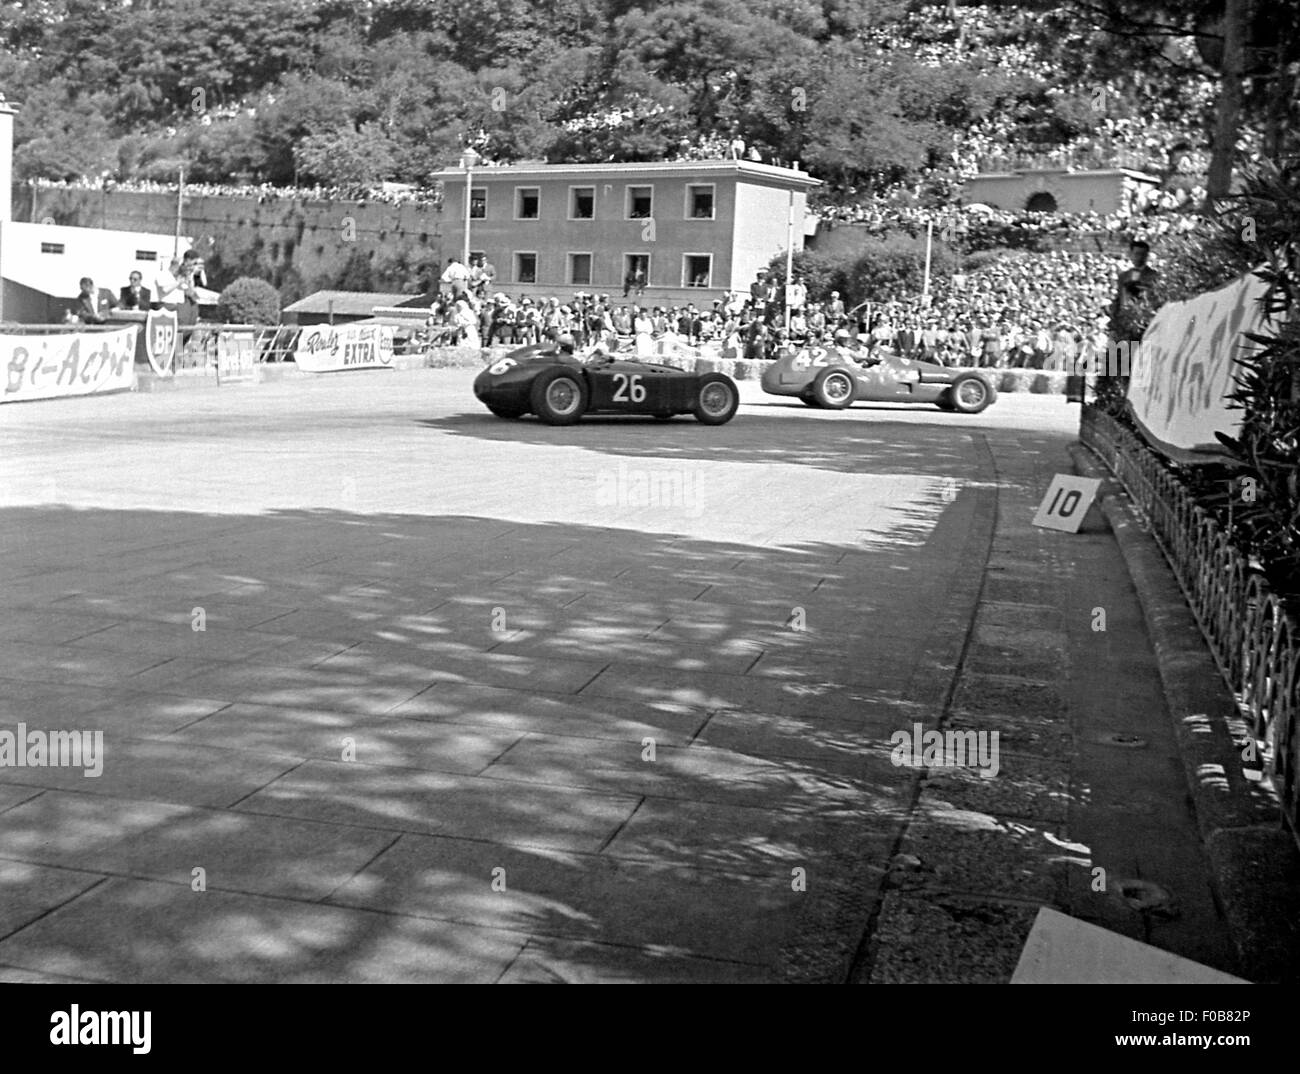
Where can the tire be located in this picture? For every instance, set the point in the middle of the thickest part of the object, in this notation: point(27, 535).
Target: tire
point(833, 388)
point(808, 400)
point(559, 396)
point(970, 395)
point(502, 412)
point(716, 399)
point(944, 402)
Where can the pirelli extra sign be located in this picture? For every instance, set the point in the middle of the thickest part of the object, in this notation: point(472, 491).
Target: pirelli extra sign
point(50, 366)
point(331, 348)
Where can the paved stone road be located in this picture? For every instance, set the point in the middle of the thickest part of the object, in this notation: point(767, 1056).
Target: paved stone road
point(489, 701)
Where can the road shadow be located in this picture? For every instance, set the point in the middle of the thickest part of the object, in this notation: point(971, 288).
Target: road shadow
point(461, 748)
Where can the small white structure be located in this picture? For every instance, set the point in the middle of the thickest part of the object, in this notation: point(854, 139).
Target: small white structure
point(41, 265)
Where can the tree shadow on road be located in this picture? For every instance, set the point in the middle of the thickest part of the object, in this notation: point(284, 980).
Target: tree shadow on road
point(457, 748)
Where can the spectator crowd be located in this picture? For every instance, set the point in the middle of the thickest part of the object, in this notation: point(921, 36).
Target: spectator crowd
point(1021, 311)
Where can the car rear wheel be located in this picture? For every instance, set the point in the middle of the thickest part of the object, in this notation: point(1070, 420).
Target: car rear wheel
point(833, 389)
point(559, 396)
point(969, 395)
point(716, 399)
point(504, 412)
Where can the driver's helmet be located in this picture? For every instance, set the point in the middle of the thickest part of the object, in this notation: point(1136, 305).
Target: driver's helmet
point(566, 342)
point(842, 337)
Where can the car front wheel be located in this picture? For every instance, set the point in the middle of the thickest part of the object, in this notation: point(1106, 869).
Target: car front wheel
point(559, 396)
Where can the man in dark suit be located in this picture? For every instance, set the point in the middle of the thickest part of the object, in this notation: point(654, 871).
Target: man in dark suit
point(92, 304)
point(134, 296)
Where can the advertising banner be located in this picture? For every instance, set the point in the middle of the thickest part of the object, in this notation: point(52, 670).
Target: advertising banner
point(68, 363)
point(324, 348)
point(1184, 369)
point(235, 356)
point(160, 332)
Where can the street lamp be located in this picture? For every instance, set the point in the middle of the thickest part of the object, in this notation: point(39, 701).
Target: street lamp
point(467, 161)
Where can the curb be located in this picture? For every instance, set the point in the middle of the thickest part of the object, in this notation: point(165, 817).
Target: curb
point(1254, 860)
point(1006, 381)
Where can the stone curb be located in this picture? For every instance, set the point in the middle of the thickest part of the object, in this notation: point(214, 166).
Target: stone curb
point(1254, 859)
point(1029, 381)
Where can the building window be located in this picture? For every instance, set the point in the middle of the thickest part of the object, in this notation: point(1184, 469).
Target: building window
point(582, 203)
point(580, 269)
point(636, 271)
point(51, 247)
point(525, 268)
point(146, 255)
point(697, 270)
point(640, 202)
point(699, 201)
point(528, 202)
point(478, 203)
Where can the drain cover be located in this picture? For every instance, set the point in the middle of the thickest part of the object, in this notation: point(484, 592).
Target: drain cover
point(1145, 897)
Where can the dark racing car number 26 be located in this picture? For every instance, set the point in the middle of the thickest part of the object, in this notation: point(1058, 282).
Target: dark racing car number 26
point(637, 391)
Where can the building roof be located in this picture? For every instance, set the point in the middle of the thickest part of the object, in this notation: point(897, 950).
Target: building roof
point(745, 169)
point(346, 303)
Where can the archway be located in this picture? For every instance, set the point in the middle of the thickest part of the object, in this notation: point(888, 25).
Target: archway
point(1041, 202)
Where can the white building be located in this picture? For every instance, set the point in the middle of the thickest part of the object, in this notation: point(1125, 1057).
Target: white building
point(41, 265)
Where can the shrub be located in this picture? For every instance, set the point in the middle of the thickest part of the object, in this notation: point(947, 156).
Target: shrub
point(249, 301)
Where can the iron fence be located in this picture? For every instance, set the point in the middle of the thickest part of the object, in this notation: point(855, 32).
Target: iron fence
point(1250, 630)
point(196, 349)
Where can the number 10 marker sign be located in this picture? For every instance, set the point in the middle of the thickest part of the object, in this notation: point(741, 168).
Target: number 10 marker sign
point(1067, 501)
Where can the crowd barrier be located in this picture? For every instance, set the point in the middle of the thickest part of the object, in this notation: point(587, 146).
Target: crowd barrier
point(1253, 635)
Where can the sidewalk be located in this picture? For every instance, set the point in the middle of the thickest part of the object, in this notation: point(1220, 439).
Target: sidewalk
point(1091, 813)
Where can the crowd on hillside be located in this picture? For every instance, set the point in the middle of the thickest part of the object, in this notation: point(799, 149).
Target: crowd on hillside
point(1154, 212)
point(1137, 119)
point(1025, 311)
point(391, 193)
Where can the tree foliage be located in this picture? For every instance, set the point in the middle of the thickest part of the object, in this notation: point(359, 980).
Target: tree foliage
point(260, 88)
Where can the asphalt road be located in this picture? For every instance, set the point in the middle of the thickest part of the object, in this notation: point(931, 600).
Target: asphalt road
point(474, 699)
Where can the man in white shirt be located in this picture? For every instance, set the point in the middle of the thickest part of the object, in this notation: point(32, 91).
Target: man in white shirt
point(456, 277)
point(796, 294)
point(168, 287)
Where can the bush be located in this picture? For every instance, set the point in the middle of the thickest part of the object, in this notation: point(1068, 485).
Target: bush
point(249, 301)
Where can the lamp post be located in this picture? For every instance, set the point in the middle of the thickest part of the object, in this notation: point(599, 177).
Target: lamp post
point(467, 161)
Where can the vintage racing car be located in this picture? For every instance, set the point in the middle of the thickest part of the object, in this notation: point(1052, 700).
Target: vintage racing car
point(559, 386)
point(825, 375)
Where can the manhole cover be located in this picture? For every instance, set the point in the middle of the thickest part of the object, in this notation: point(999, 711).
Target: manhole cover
point(1145, 897)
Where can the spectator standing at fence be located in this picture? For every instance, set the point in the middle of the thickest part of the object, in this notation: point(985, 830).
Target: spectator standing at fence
point(456, 276)
point(1136, 284)
point(643, 331)
point(189, 279)
point(796, 294)
point(168, 292)
point(465, 318)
